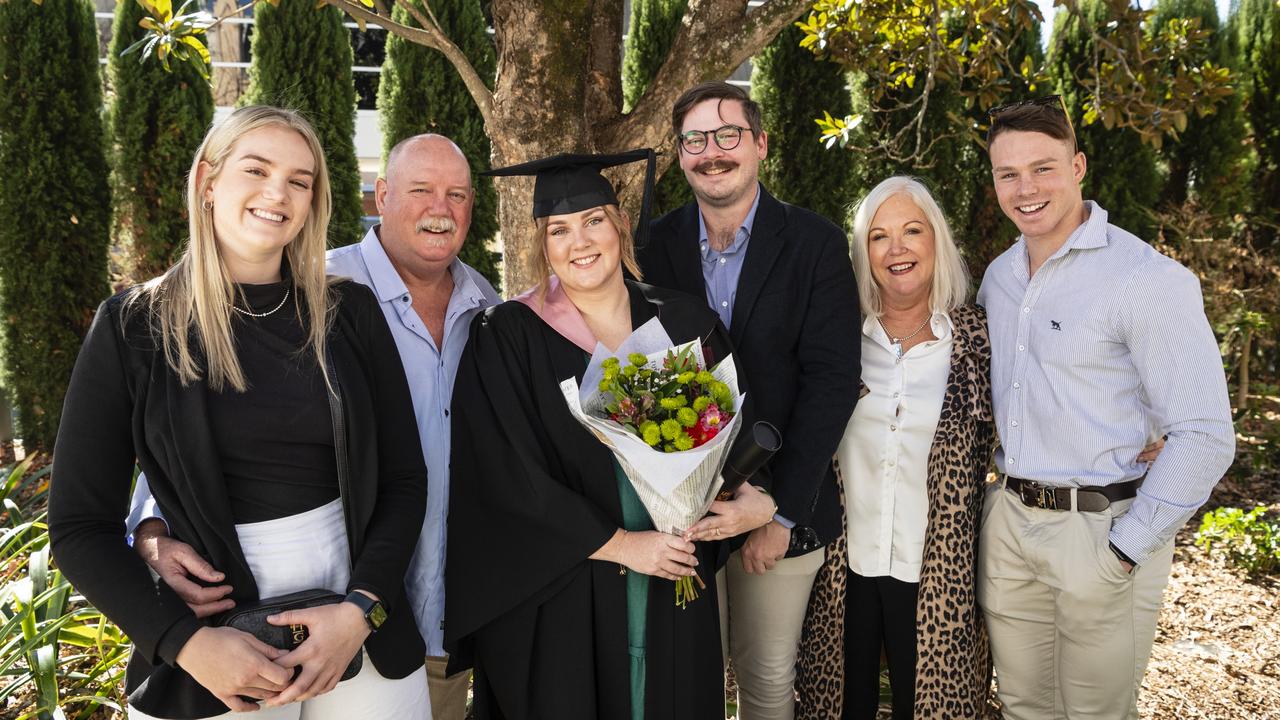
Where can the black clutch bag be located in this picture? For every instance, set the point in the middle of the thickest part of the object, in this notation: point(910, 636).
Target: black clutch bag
point(252, 618)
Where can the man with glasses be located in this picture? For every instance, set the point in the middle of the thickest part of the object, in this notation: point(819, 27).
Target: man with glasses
point(781, 280)
point(1099, 344)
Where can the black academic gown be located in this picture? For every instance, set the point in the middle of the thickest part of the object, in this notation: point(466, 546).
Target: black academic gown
point(533, 494)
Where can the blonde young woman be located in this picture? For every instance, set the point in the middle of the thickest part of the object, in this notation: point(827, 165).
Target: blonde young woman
point(266, 404)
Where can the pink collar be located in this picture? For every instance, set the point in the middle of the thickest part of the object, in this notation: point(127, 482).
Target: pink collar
point(558, 311)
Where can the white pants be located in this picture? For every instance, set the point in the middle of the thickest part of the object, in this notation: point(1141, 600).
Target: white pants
point(761, 618)
point(306, 551)
point(1071, 631)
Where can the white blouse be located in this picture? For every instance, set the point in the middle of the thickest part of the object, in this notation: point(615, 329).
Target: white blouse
point(884, 454)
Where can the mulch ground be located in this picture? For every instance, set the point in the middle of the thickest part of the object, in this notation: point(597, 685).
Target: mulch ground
point(1217, 651)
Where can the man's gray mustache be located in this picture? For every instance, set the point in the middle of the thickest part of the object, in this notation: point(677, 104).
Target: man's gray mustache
point(437, 225)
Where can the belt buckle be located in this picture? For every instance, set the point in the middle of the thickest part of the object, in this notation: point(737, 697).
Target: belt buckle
point(1047, 500)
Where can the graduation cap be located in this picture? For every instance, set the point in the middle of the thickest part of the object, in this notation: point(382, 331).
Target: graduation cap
point(571, 183)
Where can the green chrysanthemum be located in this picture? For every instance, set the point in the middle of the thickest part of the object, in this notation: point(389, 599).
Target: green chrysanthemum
point(700, 403)
point(610, 363)
point(675, 402)
point(705, 378)
point(670, 429)
point(683, 442)
point(637, 359)
point(686, 417)
point(629, 371)
point(650, 433)
point(685, 378)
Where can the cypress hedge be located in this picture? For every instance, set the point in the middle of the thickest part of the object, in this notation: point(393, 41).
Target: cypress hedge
point(420, 92)
point(799, 169)
point(54, 201)
point(1257, 26)
point(651, 30)
point(1122, 175)
point(302, 59)
point(1205, 162)
point(157, 119)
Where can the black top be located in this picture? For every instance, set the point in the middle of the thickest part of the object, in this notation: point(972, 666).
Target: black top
point(533, 494)
point(125, 406)
point(796, 329)
point(275, 442)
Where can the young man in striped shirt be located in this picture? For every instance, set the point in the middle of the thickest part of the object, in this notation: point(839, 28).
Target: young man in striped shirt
point(1099, 344)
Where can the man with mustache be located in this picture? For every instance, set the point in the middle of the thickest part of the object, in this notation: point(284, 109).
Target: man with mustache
point(429, 297)
point(781, 280)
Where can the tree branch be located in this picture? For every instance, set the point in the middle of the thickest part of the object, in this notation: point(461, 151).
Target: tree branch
point(429, 35)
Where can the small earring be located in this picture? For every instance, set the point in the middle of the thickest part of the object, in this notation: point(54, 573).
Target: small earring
point(207, 205)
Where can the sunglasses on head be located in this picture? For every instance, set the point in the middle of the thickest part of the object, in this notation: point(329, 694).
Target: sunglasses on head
point(1053, 102)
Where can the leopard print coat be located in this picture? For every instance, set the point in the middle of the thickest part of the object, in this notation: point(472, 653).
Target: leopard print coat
point(953, 666)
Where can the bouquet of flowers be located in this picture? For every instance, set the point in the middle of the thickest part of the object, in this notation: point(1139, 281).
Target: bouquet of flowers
point(669, 420)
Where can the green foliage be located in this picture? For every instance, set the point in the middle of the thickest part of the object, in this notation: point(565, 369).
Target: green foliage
point(1205, 163)
point(59, 657)
point(157, 119)
point(302, 60)
point(799, 169)
point(1122, 175)
point(650, 33)
point(1250, 540)
point(420, 93)
point(1256, 26)
point(172, 36)
point(54, 201)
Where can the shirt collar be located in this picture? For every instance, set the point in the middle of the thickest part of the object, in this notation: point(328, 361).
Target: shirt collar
point(1092, 233)
point(388, 285)
point(744, 229)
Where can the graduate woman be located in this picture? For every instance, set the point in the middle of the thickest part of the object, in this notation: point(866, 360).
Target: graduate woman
point(268, 408)
point(560, 592)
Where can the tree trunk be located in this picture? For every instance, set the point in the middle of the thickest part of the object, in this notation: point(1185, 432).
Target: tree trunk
point(559, 89)
point(1242, 391)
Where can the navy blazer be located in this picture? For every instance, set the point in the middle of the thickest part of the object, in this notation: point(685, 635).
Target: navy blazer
point(795, 333)
point(126, 405)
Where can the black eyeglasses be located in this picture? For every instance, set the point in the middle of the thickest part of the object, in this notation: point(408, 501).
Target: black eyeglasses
point(727, 137)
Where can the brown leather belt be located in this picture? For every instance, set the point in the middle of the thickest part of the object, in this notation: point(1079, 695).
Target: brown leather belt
point(1050, 497)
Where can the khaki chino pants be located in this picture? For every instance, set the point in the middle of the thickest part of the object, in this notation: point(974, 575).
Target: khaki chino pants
point(761, 618)
point(1071, 631)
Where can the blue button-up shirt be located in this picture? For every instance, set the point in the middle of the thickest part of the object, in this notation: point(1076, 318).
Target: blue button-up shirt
point(1105, 348)
point(721, 268)
point(431, 371)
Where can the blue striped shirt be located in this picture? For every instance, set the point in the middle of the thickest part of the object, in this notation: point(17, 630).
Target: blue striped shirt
point(1106, 348)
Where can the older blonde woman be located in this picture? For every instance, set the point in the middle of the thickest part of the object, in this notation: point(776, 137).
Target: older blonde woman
point(268, 408)
point(913, 462)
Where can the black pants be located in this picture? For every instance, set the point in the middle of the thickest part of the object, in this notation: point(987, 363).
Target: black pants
point(879, 612)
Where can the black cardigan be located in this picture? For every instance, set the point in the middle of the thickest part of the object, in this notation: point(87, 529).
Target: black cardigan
point(125, 405)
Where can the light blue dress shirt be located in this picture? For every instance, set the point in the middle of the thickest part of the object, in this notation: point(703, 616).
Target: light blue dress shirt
point(722, 268)
point(1106, 348)
point(430, 371)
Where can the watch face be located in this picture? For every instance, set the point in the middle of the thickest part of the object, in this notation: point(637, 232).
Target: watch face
point(376, 615)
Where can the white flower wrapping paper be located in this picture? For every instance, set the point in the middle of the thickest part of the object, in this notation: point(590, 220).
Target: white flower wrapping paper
point(676, 488)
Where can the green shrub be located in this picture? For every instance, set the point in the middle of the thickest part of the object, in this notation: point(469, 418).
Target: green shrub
point(55, 204)
point(1250, 540)
point(420, 92)
point(59, 657)
point(157, 119)
point(302, 60)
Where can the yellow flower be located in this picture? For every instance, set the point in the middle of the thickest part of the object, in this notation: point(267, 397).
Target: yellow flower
point(670, 429)
point(650, 433)
point(683, 441)
point(687, 417)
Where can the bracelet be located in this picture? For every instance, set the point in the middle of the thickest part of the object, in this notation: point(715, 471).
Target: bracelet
point(769, 495)
point(622, 563)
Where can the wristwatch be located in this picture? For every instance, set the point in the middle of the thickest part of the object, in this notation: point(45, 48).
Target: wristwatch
point(374, 613)
point(1120, 555)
